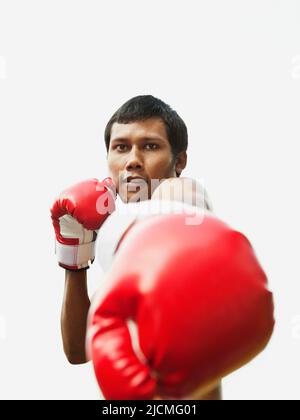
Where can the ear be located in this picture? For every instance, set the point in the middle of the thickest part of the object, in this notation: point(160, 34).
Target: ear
point(180, 162)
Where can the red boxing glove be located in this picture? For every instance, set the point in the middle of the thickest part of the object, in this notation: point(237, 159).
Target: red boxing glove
point(77, 214)
point(199, 298)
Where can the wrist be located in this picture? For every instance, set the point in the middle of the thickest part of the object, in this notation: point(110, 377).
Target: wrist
point(76, 277)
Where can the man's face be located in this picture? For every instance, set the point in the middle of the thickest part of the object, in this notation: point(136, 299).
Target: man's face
point(139, 149)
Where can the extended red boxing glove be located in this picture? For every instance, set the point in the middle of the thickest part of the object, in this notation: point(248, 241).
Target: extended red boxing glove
point(77, 214)
point(200, 302)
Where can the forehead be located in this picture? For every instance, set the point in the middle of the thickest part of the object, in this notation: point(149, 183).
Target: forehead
point(152, 127)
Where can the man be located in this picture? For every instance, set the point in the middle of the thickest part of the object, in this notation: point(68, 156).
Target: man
point(146, 145)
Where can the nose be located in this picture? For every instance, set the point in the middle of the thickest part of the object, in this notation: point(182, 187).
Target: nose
point(134, 161)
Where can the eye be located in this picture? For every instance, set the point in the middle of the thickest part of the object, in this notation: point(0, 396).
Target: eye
point(122, 147)
point(153, 146)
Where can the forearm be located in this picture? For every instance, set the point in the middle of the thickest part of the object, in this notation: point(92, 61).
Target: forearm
point(74, 313)
point(214, 394)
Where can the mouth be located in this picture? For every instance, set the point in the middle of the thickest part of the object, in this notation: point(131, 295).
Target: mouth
point(135, 180)
point(134, 185)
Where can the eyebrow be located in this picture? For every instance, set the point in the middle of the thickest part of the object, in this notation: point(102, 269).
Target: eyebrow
point(124, 139)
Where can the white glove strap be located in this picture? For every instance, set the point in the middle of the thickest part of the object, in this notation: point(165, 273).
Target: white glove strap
point(75, 255)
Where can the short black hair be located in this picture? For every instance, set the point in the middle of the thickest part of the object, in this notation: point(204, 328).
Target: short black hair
point(143, 107)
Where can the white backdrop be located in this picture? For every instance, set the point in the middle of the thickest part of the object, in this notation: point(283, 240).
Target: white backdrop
point(232, 71)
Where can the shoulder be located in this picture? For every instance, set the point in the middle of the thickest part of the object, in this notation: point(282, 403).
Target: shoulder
point(186, 189)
